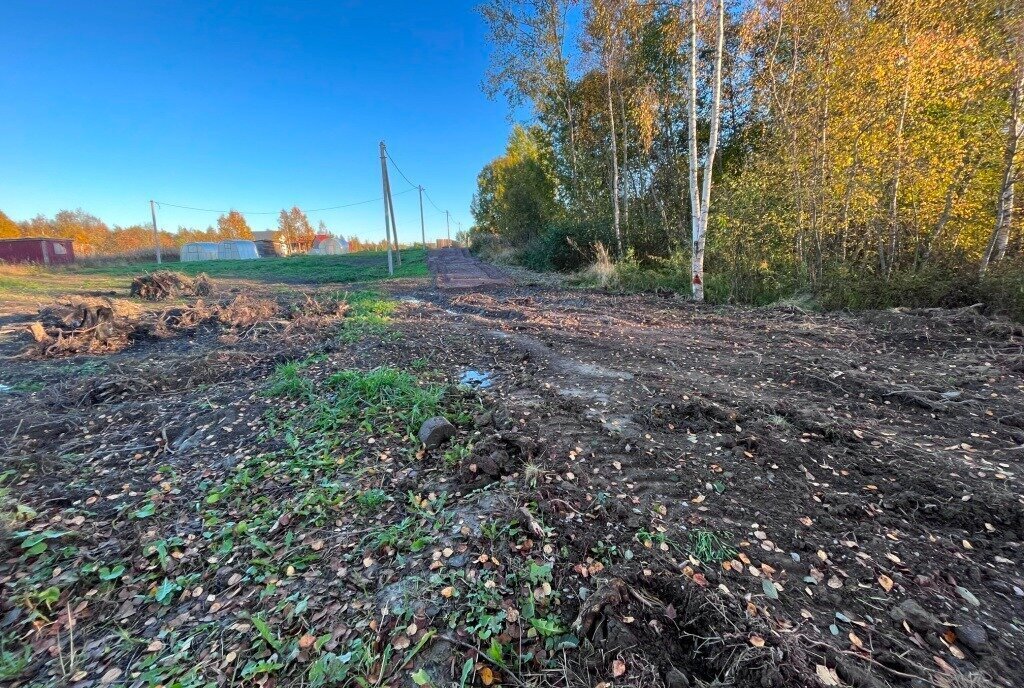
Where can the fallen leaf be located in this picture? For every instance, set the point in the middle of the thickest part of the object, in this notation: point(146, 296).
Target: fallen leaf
point(756, 640)
point(885, 582)
point(827, 676)
point(306, 641)
point(618, 668)
point(486, 675)
point(110, 676)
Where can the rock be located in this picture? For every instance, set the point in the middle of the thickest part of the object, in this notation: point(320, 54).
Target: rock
point(916, 615)
point(974, 636)
point(493, 464)
point(436, 431)
point(676, 679)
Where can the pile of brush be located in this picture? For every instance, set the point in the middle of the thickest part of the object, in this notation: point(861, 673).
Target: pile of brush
point(164, 284)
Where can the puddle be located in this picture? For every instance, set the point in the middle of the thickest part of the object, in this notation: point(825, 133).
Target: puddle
point(476, 378)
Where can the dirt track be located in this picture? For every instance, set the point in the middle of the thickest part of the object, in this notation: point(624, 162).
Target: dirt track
point(835, 449)
point(855, 479)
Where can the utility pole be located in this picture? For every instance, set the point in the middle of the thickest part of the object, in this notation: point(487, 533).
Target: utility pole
point(156, 232)
point(394, 223)
point(387, 217)
point(448, 224)
point(423, 226)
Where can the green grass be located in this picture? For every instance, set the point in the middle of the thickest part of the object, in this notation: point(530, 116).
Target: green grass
point(354, 267)
point(28, 281)
point(711, 547)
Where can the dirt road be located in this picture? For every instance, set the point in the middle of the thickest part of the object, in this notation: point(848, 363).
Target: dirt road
point(687, 495)
point(455, 268)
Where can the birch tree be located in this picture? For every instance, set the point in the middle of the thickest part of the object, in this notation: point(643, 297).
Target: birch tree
point(700, 197)
point(996, 247)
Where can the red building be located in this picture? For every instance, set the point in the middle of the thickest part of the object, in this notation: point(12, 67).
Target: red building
point(45, 251)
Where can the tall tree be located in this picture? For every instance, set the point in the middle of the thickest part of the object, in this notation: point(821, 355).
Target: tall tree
point(8, 228)
point(295, 228)
point(233, 226)
point(700, 205)
point(996, 247)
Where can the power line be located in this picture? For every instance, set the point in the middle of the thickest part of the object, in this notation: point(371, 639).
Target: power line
point(275, 212)
point(399, 170)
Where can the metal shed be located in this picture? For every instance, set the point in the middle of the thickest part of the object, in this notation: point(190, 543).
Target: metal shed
point(37, 250)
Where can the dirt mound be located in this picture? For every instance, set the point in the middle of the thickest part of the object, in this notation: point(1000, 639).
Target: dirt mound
point(165, 284)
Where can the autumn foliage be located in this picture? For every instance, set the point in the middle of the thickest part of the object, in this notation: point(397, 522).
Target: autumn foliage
point(858, 137)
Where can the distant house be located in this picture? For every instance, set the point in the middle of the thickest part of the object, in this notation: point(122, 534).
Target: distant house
point(270, 243)
point(327, 245)
point(37, 250)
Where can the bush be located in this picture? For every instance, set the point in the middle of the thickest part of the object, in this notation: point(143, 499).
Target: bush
point(566, 246)
point(946, 285)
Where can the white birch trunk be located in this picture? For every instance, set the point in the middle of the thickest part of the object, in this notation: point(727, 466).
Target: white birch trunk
point(701, 207)
point(996, 248)
point(615, 159)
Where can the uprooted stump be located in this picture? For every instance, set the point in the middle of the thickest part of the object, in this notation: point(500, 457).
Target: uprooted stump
point(164, 284)
point(85, 325)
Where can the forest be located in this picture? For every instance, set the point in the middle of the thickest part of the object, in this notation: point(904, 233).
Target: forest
point(863, 152)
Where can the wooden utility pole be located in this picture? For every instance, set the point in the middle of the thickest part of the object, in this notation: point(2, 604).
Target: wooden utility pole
point(448, 224)
point(423, 226)
point(391, 208)
point(156, 232)
point(387, 217)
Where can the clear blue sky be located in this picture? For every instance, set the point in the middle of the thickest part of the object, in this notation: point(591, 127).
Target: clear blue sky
point(251, 105)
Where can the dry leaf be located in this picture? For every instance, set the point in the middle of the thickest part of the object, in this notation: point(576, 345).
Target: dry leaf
point(306, 641)
point(486, 675)
point(756, 640)
point(618, 668)
point(885, 582)
point(827, 676)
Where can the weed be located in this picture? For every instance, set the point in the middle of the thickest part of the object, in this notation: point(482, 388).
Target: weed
point(711, 547)
point(369, 315)
point(13, 661)
point(383, 394)
point(531, 474)
point(369, 500)
point(289, 384)
point(457, 454)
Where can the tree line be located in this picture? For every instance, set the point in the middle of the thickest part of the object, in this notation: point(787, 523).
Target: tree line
point(92, 236)
point(802, 140)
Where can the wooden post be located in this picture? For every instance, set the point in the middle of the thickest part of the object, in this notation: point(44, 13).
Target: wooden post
point(448, 223)
point(387, 218)
point(423, 226)
point(156, 232)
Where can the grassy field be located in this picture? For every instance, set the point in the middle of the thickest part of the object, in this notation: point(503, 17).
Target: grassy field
point(35, 281)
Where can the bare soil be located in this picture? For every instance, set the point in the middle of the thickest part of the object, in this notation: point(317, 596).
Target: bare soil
point(725, 496)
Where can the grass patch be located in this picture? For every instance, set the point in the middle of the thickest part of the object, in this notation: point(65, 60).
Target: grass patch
point(385, 398)
point(369, 315)
point(288, 383)
point(711, 547)
point(33, 281)
point(353, 267)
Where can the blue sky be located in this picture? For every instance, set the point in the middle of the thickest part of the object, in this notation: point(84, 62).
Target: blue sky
point(249, 105)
